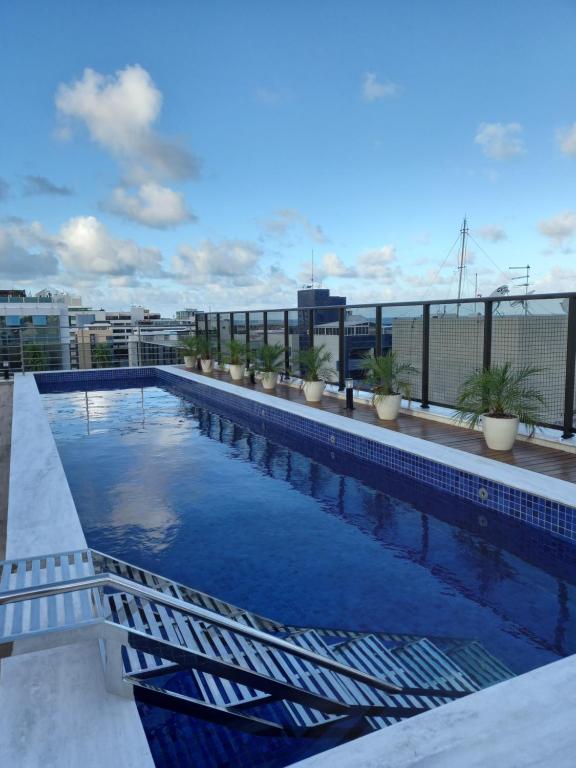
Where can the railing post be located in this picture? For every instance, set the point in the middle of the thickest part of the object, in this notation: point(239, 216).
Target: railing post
point(341, 349)
point(570, 368)
point(22, 363)
point(487, 348)
point(378, 333)
point(218, 343)
point(196, 325)
point(265, 327)
point(247, 337)
point(231, 326)
point(286, 344)
point(425, 356)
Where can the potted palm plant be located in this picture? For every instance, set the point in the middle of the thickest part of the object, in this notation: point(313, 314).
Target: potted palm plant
point(205, 351)
point(390, 382)
point(236, 359)
point(191, 352)
point(500, 398)
point(270, 362)
point(317, 369)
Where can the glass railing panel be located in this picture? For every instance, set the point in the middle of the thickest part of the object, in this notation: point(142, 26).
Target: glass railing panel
point(256, 326)
point(294, 337)
point(359, 342)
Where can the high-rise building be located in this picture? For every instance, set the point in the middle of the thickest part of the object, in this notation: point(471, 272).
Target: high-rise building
point(34, 332)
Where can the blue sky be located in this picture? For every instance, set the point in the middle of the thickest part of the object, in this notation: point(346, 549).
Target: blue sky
point(190, 153)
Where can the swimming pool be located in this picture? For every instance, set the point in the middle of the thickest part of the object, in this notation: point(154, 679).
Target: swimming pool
point(300, 532)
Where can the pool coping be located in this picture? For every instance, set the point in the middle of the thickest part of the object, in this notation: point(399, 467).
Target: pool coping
point(522, 479)
point(55, 699)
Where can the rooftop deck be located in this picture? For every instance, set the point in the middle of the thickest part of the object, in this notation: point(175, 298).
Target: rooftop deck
point(547, 461)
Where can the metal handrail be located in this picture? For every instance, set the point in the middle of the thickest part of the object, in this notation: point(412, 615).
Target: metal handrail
point(180, 586)
point(125, 585)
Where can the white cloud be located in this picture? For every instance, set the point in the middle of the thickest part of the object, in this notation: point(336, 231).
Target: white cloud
point(559, 229)
point(567, 140)
point(556, 280)
point(499, 141)
point(18, 261)
point(285, 221)
point(333, 266)
point(85, 245)
point(232, 259)
point(492, 233)
point(152, 205)
point(119, 112)
point(376, 263)
point(374, 90)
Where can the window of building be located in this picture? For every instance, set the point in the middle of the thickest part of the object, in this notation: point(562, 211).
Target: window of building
point(12, 321)
point(39, 320)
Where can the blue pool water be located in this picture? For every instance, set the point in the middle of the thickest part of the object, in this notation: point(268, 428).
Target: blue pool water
point(299, 533)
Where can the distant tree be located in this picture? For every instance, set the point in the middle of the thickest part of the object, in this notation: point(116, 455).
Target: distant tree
point(34, 357)
point(101, 355)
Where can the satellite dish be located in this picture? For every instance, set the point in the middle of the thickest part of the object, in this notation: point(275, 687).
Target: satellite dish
point(502, 290)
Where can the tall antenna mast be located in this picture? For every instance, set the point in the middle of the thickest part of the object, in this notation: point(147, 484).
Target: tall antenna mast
point(461, 263)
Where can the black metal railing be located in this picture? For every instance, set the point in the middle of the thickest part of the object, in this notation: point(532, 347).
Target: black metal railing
point(444, 340)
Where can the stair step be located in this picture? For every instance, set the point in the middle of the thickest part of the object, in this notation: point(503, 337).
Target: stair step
point(480, 665)
point(431, 667)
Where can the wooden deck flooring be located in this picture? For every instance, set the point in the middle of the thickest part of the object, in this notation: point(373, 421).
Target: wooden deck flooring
point(546, 461)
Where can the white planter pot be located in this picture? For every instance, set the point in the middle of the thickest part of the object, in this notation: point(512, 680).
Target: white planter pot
point(499, 434)
point(269, 380)
point(206, 366)
point(313, 391)
point(189, 362)
point(236, 372)
point(388, 407)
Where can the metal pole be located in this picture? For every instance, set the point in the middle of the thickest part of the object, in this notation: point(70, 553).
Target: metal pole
point(218, 343)
point(286, 344)
point(425, 356)
point(378, 340)
point(570, 368)
point(265, 327)
point(487, 348)
point(196, 325)
point(247, 322)
point(341, 349)
point(22, 363)
point(231, 325)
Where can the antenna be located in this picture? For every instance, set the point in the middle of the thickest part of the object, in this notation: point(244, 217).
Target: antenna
point(524, 276)
point(312, 267)
point(461, 262)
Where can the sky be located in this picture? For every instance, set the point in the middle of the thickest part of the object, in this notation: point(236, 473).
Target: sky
point(200, 154)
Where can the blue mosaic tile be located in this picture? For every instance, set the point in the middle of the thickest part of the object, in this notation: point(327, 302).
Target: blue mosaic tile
point(559, 520)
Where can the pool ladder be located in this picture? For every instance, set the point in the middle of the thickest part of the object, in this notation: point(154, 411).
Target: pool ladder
point(180, 649)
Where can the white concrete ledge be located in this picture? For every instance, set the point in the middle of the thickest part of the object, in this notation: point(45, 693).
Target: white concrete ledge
point(56, 712)
point(526, 722)
point(42, 516)
point(523, 479)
